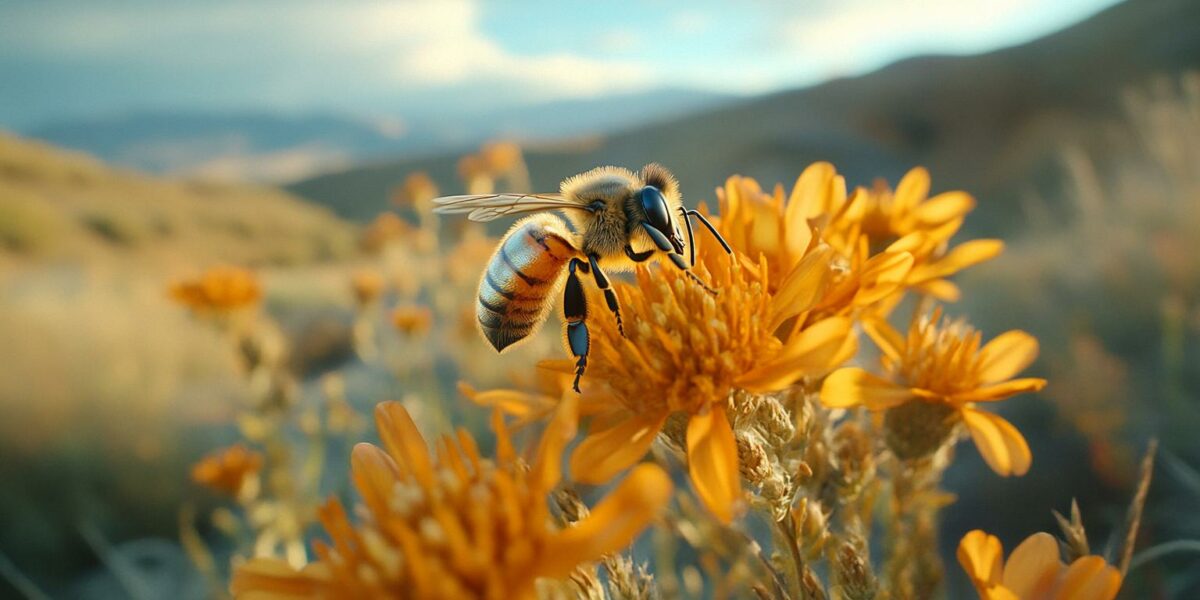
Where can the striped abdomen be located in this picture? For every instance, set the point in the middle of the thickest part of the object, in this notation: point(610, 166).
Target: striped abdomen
point(524, 271)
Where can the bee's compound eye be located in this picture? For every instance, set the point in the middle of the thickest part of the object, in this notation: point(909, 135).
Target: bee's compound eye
point(655, 206)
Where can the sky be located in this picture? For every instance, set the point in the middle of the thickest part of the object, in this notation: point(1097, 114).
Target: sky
point(73, 59)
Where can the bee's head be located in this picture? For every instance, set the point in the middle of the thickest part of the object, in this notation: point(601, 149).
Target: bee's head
point(658, 214)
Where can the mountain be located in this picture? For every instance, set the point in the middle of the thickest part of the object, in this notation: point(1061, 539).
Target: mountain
point(261, 146)
point(62, 207)
point(994, 124)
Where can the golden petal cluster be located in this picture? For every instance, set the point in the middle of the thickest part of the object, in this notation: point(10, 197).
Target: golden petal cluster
point(941, 371)
point(1034, 570)
point(228, 470)
point(453, 524)
point(219, 289)
point(908, 220)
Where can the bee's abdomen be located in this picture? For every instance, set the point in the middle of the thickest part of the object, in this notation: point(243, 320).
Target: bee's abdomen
point(514, 292)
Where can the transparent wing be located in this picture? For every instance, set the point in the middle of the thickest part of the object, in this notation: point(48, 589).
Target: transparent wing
point(487, 207)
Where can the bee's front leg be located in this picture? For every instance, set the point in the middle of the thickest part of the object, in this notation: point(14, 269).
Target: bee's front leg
point(609, 295)
point(575, 313)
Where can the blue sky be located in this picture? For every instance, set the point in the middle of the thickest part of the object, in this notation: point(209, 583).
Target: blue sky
point(69, 59)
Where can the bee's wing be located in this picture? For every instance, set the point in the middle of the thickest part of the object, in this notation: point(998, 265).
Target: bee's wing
point(487, 207)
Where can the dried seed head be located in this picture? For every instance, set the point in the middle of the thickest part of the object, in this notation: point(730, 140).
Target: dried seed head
point(855, 456)
point(852, 574)
point(918, 429)
point(753, 462)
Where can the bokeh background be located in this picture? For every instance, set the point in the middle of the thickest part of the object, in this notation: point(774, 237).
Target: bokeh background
point(144, 142)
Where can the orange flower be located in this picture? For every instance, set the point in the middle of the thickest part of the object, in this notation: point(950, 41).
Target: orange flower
point(219, 289)
point(1034, 571)
point(387, 227)
point(367, 286)
point(412, 320)
point(937, 375)
point(452, 524)
point(228, 470)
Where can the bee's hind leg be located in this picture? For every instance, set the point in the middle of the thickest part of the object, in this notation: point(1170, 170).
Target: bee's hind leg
point(575, 313)
point(609, 295)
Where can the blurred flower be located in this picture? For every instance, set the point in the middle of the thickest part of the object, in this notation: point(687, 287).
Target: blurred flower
point(219, 289)
point(416, 191)
point(473, 170)
point(387, 227)
point(230, 470)
point(451, 524)
point(501, 157)
point(937, 374)
point(367, 286)
point(412, 319)
point(1034, 570)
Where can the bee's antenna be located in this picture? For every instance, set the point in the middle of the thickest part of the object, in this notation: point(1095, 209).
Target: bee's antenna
point(711, 229)
point(691, 237)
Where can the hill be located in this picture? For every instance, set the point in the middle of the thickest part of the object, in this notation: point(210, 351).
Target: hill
point(994, 124)
point(62, 207)
point(261, 146)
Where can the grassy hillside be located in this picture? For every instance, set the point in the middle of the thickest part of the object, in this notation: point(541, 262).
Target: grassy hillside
point(993, 124)
point(58, 207)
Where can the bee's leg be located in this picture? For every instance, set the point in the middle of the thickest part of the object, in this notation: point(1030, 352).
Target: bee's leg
point(609, 295)
point(711, 229)
point(575, 312)
point(664, 244)
point(638, 256)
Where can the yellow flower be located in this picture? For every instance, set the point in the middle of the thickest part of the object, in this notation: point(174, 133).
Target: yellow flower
point(367, 286)
point(908, 220)
point(937, 375)
point(412, 320)
point(781, 231)
point(386, 227)
point(452, 524)
point(228, 470)
point(1034, 571)
point(219, 289)
point(685, 351)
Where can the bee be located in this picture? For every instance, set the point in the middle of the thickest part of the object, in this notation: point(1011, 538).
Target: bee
point(617, 218)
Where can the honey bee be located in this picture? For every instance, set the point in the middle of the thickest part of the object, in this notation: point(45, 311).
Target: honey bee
point(617, 218)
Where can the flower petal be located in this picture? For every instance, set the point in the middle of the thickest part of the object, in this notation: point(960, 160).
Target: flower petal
point(1089, 578)
point(887, 338)
point(960, 257)
point(1002, 446)
point(814, 350)
point(403, 441)
point(810, 196)
point(547, 463)
point(1000, 391)
point(1006, 355)
point(944, 208)
point(1032, 567)
point(606, 452)
point(522, 405)
point(853, 386)
point(274, 578)
point(981, 556)
point(801, 287)
point(611, 525)
point(713, 462)
point(912, 189)
point(882, 275)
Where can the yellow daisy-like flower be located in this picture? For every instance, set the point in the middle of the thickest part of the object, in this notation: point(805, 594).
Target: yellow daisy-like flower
point(781, 231)
point(1034, 570)
point(908, 220)
point(686, 351)
point(219, 289)
point(937, 375)
point(454, 524)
